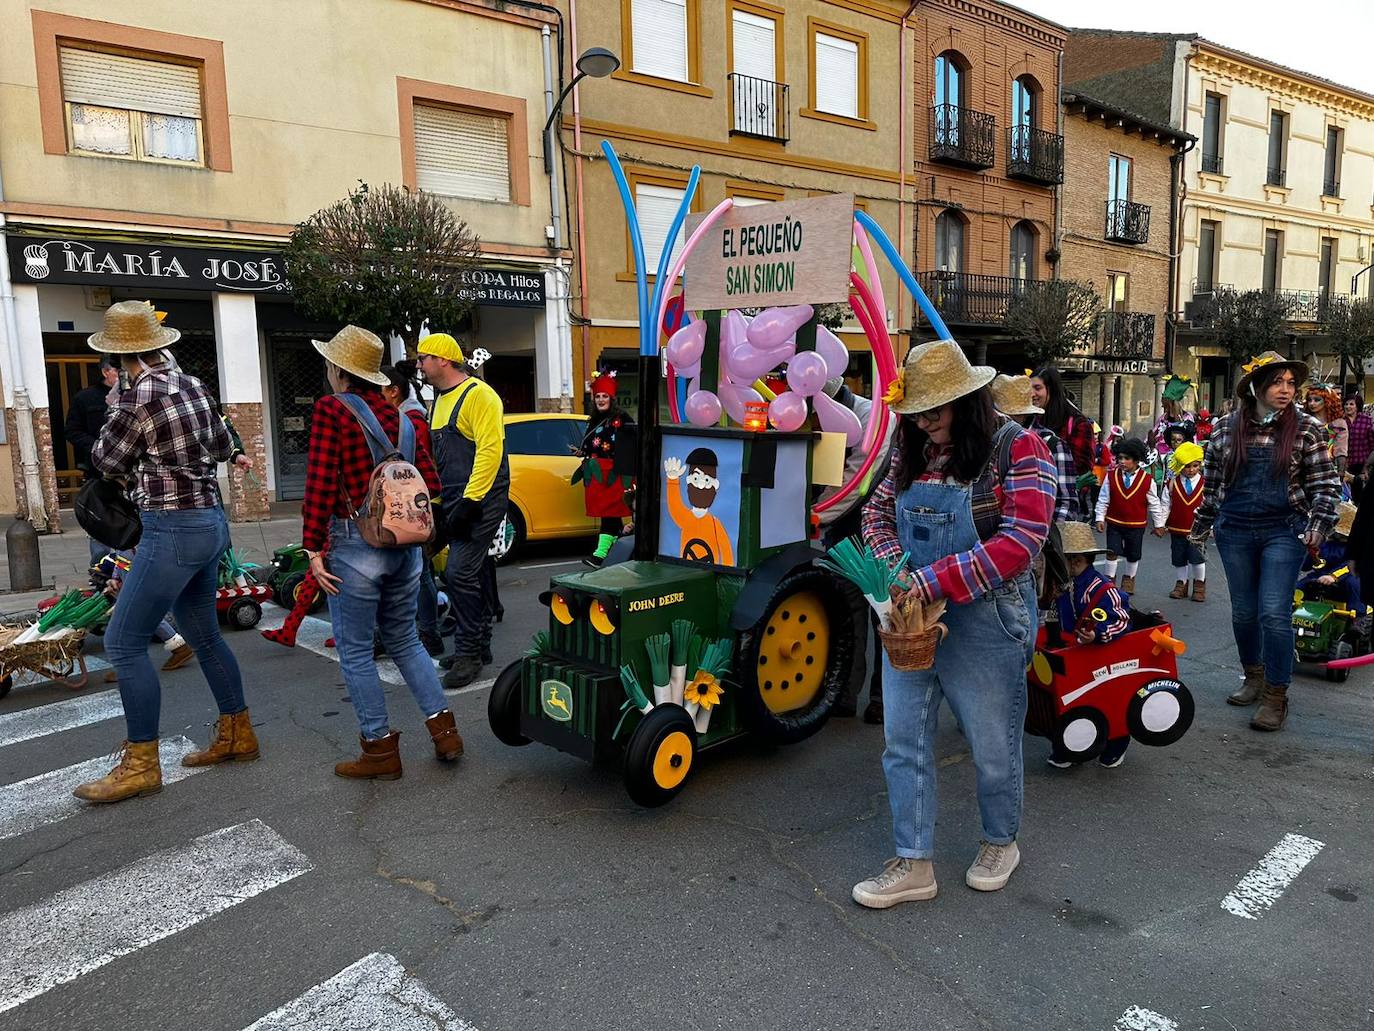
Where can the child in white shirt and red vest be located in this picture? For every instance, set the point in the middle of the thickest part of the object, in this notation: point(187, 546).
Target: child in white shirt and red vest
point(1127, 505)
point(1182, 496)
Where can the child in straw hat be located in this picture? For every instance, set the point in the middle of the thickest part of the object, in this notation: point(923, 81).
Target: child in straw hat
point(1092, 611)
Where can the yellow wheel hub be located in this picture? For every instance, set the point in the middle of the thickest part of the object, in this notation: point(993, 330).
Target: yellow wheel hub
point(793, 650)
point(672, 760)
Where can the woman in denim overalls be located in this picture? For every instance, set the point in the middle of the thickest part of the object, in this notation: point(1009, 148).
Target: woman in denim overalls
point(1270, 491)
point(969, 500)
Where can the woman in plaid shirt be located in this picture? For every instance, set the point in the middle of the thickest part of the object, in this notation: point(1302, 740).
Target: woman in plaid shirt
point(1270, 491)
point(165, 434)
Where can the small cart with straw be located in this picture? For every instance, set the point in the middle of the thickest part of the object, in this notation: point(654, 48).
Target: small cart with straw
point(49, 649)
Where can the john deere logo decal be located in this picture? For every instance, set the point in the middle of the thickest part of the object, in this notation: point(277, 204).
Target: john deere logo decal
point(556, 699)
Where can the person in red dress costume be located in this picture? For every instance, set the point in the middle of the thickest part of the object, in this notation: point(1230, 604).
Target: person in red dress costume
point(603, 487)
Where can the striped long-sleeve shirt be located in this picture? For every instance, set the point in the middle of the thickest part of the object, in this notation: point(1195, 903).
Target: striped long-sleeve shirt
point(1314, 488)
point(1027, 496)
point(1091, 590)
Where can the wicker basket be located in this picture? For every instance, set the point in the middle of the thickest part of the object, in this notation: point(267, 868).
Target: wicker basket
point(912, 651)
point(58, 656)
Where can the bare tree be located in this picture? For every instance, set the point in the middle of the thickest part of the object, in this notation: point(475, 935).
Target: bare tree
point(1351, 329)
point(1054, 318)
point(1248, 322)
point(385, 259)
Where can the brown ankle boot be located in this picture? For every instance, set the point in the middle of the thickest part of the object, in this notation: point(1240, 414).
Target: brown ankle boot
point(139, 772)
point(1180, 590)
point(381, 760)
point(1273, 708)
point(448, 743)
point(1199, 590)
point(234, 740)
point(1128, 583)
point(1249, 691)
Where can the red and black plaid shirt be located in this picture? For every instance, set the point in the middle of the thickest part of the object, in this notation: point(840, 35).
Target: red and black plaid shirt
point(340, 462)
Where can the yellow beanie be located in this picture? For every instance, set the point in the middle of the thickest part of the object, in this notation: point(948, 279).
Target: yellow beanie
point(441, 345)
point(1184, 455)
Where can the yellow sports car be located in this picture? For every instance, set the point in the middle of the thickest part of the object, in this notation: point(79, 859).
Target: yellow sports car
point(544, 505)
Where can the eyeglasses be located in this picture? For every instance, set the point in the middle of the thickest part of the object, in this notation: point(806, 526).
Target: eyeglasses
point(931, 414)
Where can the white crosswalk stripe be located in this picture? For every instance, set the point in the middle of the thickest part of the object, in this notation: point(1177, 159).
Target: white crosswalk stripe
point(375, 992)
point(55, 717)
point(89, 925)
point(48, 797)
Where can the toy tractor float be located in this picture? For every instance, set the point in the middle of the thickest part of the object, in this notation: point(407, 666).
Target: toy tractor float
point(1325, 631)
point(714, 619)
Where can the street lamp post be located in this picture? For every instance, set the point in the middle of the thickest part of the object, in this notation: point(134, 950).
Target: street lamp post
point(596, 62)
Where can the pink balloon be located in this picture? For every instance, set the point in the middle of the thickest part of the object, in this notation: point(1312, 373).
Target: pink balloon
point(773, 327)
point(733, 398)
point(749, 363)
point(686, 345)
point(806, 373)
point(703, 408)
point(828, 346)
point(690, 372)
point(836, 418)
point(733, 330)
point(787, 411)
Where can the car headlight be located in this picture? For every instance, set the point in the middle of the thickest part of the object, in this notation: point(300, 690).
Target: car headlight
point(604, 614)
point(566, 606)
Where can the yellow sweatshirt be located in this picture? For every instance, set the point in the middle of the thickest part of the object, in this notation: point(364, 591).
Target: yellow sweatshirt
point(481, 421)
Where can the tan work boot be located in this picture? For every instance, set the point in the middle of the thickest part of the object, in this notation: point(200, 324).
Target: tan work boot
point(448, 743)
point(1273, 708)
point(902, 880)
point(380, 760)
point(1199, 590)
point(234, 741)
point(1180, 590)
point(992, 869)
point(1128, 583)
point(1249, 691)
point(181, 655)
point(139, 772)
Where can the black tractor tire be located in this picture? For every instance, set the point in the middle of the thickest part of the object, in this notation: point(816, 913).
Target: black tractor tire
point(1160, 712)
point(243, 614)
point(758, 683)
point(503, 707)
point(659, 756)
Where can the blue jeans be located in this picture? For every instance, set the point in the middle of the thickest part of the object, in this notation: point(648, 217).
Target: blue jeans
point(379, 590)
point(427, 601)
point(1262, 563)
point(176, 567)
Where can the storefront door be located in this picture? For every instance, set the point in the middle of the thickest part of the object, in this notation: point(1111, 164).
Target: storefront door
point(297, 377)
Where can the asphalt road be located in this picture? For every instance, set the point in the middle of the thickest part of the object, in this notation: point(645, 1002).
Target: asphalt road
point(523, 889)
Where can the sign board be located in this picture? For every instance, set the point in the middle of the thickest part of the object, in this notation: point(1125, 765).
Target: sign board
point(81, 262)
point(1115, 366)
point(765, 255)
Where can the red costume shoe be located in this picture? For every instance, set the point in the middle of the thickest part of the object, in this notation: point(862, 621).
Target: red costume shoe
point(305, 597)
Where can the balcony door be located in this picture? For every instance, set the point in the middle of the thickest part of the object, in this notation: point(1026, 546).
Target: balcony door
point(1022, 118)
point(949, 242)
point(1023, 251)
point(949, 98)
point(1118, 193)
point(754, 58)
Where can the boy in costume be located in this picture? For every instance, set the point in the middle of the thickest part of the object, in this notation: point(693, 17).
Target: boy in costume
point(1091, 611)
point(1182, 496)
point(1126, 507)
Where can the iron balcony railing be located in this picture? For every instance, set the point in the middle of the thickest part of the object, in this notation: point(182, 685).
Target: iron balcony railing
point(1127, 221)
point(1212, 163)
point(1035, 155)
point(1311, 305)
point(1276, 177)
point(1299, 306)
point(759, 106)
point(1127, 334)
point(959, 136)
point(970, 300)
point(1331, 188)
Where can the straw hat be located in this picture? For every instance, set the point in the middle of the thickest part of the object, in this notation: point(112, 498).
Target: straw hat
point(132, 327)
point(1345, 518)
point(1011, 395)
point(1268, 360)
point(358, 352)
point(937, 373)
point(1079, 539)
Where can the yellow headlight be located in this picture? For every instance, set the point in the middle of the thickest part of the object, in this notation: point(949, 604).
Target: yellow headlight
point(602, 617)
point(561, 610)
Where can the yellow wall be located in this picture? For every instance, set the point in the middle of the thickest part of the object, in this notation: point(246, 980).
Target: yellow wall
point(312, 102)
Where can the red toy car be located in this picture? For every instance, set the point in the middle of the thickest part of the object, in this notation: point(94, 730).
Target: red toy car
point(1084, 695)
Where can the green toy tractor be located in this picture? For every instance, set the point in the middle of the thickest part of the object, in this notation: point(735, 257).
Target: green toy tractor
point(1325, 630)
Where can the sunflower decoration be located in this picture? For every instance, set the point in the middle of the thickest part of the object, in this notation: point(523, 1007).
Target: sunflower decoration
point(895, 392)
point(704, 691)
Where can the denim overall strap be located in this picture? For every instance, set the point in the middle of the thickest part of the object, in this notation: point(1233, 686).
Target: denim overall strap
point(979, 668)
point(377, 442)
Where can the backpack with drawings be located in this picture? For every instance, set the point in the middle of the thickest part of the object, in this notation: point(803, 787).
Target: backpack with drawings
point(1053, 573)
point(395, 512)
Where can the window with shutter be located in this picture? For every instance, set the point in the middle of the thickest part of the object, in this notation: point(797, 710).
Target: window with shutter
point(462, 153)
point(655, 207)
point(837, 75)
point(133, 107)
point(659, 38)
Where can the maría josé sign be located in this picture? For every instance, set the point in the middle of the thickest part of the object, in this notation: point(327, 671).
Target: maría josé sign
point(765, 255)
